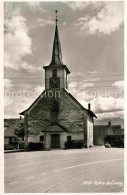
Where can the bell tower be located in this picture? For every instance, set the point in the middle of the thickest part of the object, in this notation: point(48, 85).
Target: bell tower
point(56, 73)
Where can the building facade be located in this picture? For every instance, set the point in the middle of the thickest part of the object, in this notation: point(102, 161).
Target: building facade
point(101, 132)
point(56, 116)
point(9, 132)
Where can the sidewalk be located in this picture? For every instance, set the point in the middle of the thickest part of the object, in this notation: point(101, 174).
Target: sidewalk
point(12, 151)
point(69, 151)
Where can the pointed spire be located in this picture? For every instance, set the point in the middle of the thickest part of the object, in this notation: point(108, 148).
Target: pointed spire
point(56, 53)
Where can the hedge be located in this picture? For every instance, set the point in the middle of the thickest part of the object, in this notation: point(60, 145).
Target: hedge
point(9, 147)
point(74, 144)
point(35, 146)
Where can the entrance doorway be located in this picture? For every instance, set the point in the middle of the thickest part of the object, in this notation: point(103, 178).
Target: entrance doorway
point(55, 141)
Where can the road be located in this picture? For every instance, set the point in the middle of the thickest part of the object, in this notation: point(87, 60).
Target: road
point(68, 171)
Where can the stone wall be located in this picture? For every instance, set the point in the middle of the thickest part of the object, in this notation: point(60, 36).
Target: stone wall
point(69, 115)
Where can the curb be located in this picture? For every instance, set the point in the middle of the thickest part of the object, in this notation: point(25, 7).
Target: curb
point(14, 151)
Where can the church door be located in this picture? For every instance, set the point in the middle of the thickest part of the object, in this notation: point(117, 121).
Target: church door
point(55, 141)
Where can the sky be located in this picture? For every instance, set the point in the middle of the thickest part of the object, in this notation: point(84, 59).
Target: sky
point(92, 41)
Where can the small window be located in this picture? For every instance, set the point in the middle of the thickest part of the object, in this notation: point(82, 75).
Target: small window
point(41, 138)
point(54, 72)
point(68, 138)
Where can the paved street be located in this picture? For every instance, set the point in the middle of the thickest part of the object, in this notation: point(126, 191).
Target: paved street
point(85, 170)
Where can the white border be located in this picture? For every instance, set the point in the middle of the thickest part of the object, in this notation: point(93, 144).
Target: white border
point(2, 97)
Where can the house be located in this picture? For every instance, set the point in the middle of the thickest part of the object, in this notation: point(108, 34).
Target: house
point(9, 132)
point(9, 135)
point(56, 116)
point(101, 132)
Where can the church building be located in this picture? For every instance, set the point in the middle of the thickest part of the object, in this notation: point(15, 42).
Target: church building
point(56, 116)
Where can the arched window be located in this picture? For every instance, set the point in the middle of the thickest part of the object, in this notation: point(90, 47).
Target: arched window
point(55, 106)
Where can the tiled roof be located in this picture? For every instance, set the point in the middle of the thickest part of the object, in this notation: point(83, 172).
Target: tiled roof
point(56, 53)
point(55, 128)
point(10, 132)
point(11, 121)
point(71, 96)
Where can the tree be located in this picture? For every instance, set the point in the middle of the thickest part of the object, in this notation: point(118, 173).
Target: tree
point(18, 142)
point(19, 129)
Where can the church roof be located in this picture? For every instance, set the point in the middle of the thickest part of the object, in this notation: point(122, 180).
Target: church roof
point(55, 128)
point(36, 101)
point(56, 52)
point(89, 111)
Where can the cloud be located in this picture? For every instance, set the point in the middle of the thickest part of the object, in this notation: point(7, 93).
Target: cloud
point(39, 89)
point(119, 84)
point(110, 115)
point(20, 99)
point(78, 5)
point(105, 20)
point(107, 104)
point(35, 6)
point(17, 43)
point(8, 83)
point(40, 22)
point(30, 67)
point(81, 5)
point(83, 103)
point(120, 87)
point(64, 23)
point(85, 84)
point(73, 84)
point(80, 85)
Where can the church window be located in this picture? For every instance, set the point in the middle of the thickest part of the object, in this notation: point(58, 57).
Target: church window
point(55, 106)
point(54, 72)
point(41, 138)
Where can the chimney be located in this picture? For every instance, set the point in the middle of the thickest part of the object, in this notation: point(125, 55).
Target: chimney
point(109, 124)
point(89, 106)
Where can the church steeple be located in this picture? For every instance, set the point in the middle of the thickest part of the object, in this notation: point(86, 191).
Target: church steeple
point(56, 73)
point(56, 53)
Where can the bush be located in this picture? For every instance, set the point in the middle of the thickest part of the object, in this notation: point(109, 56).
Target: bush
point(74, 144)
point(35, 146)
point(22, 145)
